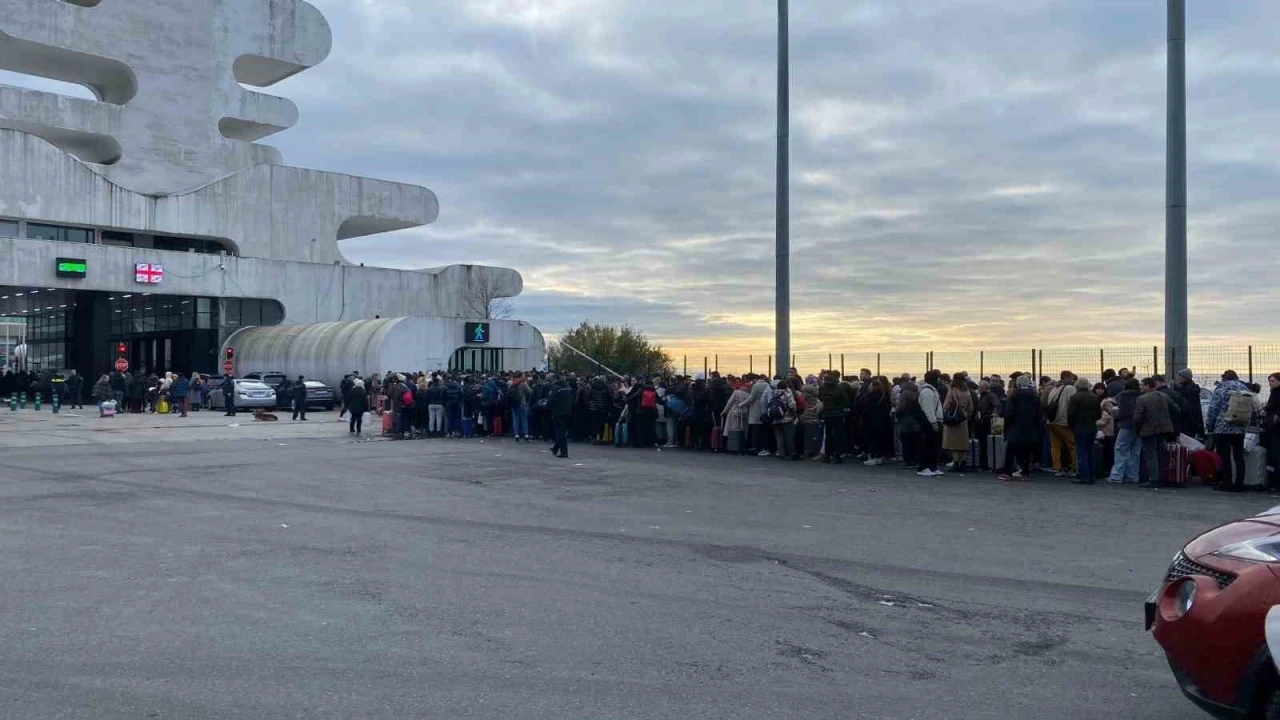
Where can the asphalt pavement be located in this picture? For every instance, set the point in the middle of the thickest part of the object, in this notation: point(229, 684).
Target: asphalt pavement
point(315, 577)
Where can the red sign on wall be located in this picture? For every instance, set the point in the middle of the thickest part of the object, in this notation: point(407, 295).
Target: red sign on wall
point(148, 273)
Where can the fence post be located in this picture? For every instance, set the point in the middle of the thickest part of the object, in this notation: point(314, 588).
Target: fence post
point(1102, 361)
point(751, 364)
point(770, 367)
point(706, 370)
point(831, 365)
point(1155, 360)
point(686, 366)
point(842, 364)
point(1033, 366)
point(793, 363)
point(928, 362)
point(878, 364)
point(717, 363)
point(1250, 364)
point(1037, 380)
point(982, 363)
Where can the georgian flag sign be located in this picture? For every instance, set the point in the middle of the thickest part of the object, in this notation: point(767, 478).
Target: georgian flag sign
point(148, 273)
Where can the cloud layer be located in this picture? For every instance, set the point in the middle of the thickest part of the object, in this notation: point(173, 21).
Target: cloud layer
point(966, 173)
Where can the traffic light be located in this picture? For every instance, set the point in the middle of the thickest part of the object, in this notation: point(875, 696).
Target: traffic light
point(120, 349)
point(231, 353)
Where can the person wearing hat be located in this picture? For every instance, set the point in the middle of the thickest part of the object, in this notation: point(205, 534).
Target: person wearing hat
point(299, 392)
point(1193, 419)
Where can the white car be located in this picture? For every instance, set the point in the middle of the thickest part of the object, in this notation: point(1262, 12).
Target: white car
point(250, 394)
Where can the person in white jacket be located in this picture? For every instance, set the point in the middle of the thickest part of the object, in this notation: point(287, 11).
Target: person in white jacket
point(930, 435)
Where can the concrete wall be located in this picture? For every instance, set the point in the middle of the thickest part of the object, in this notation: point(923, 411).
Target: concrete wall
point(267, 211)
point(309, 292)
point(328, 351)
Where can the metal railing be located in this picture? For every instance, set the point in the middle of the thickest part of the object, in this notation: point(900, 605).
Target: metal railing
point(1252, 362)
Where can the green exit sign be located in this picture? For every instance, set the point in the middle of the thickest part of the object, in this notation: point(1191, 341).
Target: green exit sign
point(72, 268)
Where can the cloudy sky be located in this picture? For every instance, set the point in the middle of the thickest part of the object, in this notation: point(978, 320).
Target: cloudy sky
point(966, 173)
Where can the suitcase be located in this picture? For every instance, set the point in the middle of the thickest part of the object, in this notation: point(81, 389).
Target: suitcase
point(1255, 467)
point(388, 419)
point(736, 442)
point(109, 408)
point(717, 439)
point(812, 439)
point(995, 452)
point(1176, 465)
point(974, 458)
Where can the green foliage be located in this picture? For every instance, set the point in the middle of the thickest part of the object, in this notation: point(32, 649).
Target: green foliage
point(624, 350)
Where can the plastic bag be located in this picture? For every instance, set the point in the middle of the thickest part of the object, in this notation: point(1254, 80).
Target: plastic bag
point(1190, 443)
point(1251, 441)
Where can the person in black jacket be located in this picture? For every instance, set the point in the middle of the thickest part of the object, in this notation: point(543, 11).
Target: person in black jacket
point(1023, 420)
point(560, 408)
point(357, 403)
point(601, 403)
point(1193, 412)
point(299, 391)
point(344, 387)
point(228, 388)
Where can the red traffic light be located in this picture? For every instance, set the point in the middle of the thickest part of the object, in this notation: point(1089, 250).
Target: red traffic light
point(121, 349)
point(231, 353)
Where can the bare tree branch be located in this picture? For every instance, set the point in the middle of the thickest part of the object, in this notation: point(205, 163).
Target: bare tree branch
point(484, 298)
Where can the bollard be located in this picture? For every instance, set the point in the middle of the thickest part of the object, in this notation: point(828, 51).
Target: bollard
point(13, 403)
point(37, 402)
point(22, 400)
point(57, 404)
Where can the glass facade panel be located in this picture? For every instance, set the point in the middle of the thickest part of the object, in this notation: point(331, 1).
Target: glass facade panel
point(8, 228)
point(61, 233)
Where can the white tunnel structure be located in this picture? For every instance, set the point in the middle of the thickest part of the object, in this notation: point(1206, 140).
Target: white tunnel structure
point(328, 351)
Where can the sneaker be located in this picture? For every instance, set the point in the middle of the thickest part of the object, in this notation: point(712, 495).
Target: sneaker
point(937, 473)
point(871, 463)
point(1114, 481)
point(763, 453)
point(1018, 474)
point(1006, 477)
point(925, 473)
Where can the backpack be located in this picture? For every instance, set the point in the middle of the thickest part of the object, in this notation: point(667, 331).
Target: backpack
point(406, 398)
point(776, 409)
point(1240, 409)
point(649, 400)
point(513, 396)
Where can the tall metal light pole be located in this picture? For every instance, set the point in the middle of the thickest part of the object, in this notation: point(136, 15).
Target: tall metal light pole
point(1175, 231)
point(783, 243)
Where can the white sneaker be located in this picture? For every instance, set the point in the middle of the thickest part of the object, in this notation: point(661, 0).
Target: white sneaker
point(764, 453)
point(938, 473)
point(925, 473)
point(1018, 474)
point(869, 463)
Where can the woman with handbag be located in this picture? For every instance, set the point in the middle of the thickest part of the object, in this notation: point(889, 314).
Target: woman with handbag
point(956, 411)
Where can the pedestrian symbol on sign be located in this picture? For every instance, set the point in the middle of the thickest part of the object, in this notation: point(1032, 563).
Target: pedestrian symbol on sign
point(478, 333)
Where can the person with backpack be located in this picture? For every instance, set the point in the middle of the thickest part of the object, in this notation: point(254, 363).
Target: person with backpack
point(644, 413)
point(1062, 440)
point(1231, 414)
point(781, 412)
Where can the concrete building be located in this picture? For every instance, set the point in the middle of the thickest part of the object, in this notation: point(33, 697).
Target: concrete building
point(151, 219)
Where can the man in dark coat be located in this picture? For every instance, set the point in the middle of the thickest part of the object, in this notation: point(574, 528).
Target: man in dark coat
point(344, 388)
point(357, 403)
point(228, 388)
point(1023, 421)
point(1193, 412)
point(299, 393)
point(75, 389)
point(561, 410)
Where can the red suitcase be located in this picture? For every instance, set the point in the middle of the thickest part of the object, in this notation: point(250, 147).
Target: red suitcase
point(1176, 464)
point(387, 418)
point(717, 438)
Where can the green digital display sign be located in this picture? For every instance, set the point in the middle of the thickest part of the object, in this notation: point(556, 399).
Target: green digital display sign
point(72, 268)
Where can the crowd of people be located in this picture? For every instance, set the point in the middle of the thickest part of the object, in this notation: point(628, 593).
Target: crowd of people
point(1118, 429)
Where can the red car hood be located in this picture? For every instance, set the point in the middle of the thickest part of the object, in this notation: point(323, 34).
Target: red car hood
point(1234, 532)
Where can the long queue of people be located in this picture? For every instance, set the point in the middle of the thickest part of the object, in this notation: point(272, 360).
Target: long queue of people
point(1121, 430)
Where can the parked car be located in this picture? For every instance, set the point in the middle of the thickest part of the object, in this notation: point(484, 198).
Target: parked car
point(1209, 615)
point(250, 394)
point(319, 395)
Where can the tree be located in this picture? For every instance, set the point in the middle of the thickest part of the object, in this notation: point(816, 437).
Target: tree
point(624, 350)
point(485, 299)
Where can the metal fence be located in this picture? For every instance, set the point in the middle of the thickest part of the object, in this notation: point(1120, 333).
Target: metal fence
point(1252, 362)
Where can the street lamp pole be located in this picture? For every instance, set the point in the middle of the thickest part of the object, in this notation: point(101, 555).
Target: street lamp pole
point(783, 229)
point(1175, 232)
